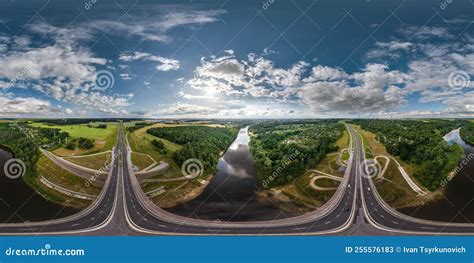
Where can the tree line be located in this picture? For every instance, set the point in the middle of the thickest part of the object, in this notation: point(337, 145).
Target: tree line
point(200, 142)
point(467, 133)
point(284, 150)
point(421, 143)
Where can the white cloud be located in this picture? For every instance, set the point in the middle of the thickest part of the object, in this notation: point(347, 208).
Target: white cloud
point(322, 88)
point(425, 32)
point(125, 76)
point(389, 49)
point(374, 89)
point(63, 70)
point(165, 64)
point(186, 109)
point(156, 29)
point(256, 76)
point(15, 106)
point(177, 18)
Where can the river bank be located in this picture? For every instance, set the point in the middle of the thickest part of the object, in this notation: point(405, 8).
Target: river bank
point(21, 203)
point(233, 193)
point(454, 202)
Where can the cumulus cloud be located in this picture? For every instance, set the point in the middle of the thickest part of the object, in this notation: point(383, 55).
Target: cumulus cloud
point(322, 88)
point(63, 70)
point(179, 108)
point(373, 89)
point(256, 76)
point(12, 106)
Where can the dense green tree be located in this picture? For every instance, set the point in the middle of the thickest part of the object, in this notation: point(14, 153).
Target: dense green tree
point(199, 142)
point(419, 142)
point(283, 150)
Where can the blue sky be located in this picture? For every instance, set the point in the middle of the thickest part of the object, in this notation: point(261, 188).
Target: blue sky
point(236, 59)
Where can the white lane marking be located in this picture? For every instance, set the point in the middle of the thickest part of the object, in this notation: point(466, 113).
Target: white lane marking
point(327, 222)
point(76, 224)
point(299, 228)
point(430, 228)
point(395, 222)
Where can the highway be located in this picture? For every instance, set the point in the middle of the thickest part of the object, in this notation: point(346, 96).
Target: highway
point(122, 208)
point(93, 219)
point(388, 221)
point(146, 218)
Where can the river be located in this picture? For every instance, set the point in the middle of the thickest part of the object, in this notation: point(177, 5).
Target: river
point(231, 195)
point(457, 205)
point(19, 203)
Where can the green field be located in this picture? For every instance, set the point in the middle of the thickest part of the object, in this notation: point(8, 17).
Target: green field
point(96, 161)
point(141, 160)
point(61, 177)
point(105, 139)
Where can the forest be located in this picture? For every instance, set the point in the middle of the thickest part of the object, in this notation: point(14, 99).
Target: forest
point(421, 143)
point(284, 150)
point(200, 142)
point(24, 142)
point(467, 133)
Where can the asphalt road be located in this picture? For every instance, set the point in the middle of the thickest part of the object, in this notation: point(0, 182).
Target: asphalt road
point(385, 218)
point(123, 209)
point(144, 220)
point(93, 218)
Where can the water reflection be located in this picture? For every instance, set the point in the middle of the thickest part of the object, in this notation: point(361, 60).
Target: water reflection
point(231, 195)
point(457, 203)
point(20, 203)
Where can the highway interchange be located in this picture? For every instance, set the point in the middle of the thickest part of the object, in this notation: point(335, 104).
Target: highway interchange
point(123, 209)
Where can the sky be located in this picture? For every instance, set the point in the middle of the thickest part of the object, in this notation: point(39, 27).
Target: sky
point(236, 59)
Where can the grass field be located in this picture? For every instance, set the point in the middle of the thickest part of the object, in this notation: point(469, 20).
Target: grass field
point(57, 175)
point(96, 161)
point(393, 188)
point(141, 142)
point(141, 160)
point(105, 139)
